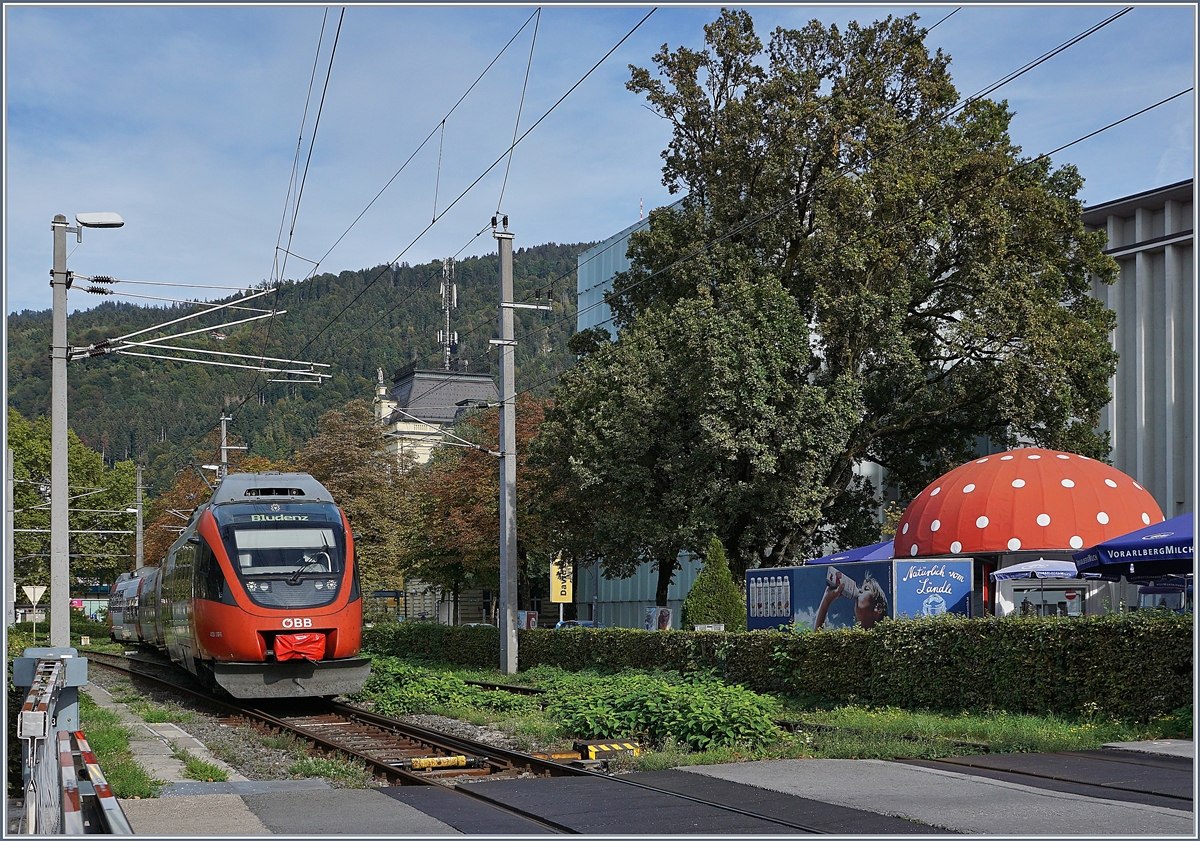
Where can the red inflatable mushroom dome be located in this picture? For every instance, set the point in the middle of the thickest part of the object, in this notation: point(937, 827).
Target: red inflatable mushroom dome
point(1020, 500)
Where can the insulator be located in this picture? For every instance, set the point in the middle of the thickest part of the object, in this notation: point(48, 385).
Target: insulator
point(103, 278)
point(97, 290)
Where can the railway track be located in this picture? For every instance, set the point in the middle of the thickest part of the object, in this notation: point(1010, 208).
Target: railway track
point(406, 754)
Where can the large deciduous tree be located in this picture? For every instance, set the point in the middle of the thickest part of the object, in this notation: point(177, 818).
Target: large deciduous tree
point(455, 541)
point(348, 456)
point(936, 283)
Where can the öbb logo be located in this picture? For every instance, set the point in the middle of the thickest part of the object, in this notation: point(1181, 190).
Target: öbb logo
point(297, 623)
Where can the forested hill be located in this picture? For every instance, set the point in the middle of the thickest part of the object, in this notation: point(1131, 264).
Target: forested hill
point(162, 411)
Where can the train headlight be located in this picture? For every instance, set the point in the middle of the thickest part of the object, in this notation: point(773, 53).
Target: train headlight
point(332, 585)
point(252, 586)
point(320, 585)
point(264, 586)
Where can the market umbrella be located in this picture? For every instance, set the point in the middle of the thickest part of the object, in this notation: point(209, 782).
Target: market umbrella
point(1040, 569)
point(874, 552)
point(1156, 551)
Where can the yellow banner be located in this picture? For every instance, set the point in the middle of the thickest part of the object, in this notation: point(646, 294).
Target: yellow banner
point(561, 587)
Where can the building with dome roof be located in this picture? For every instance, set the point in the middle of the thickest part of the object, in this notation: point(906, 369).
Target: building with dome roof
point(1024, 504)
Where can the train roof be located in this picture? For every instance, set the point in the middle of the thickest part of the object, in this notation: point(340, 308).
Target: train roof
point(270, 487)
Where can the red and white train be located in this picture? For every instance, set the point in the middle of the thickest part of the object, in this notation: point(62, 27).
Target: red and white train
point(258, 595)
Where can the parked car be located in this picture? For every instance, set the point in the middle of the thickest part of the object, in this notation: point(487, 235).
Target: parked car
point(577, 623)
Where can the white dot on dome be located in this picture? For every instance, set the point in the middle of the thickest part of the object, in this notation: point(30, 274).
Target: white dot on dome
point(1043, 519)
point(913, 551)
point(936, 491)
point(1034, 457)
point(1018, 483)
point(1076, 542)
point(937, 524)
point(1067, 483)
point(956, 547)
point(1063, 457)
point(981, 522)
point(1139, 487)
point(980, 461)
point(1006, 458)
point(968, 488)
point(1102, 518)
point(905, 529)
point(1145, 518)
point(1110, 483)
point(1014, 544)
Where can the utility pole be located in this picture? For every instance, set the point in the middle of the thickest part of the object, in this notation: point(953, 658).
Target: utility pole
point(223, 470)
point(60, 352)
point(60, 553)
point(139, 562)
point(508, 458)
point(448, 340)
point(10, 555)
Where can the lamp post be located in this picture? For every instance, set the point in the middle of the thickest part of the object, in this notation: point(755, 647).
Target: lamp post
point(60, 352)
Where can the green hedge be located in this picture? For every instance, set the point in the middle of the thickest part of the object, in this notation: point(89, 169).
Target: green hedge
point(1133, 666)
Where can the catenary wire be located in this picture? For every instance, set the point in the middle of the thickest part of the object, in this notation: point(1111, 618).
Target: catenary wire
point(1004, 174)
point(520, 106)
point(246, 398)
point(957, 108)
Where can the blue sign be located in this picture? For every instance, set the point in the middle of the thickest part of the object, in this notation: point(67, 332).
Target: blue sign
point(932, 588)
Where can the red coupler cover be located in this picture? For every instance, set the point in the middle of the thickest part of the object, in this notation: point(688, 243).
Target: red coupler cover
point(299, 646)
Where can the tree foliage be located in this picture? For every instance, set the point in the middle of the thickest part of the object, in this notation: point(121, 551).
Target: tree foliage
point(454, 539)
point(714, 597)
point(98, 498)
point(159, 412)
point(936, 281)
point(348, 456)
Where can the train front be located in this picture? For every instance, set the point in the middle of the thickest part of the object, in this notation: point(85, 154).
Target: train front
point(277, 609)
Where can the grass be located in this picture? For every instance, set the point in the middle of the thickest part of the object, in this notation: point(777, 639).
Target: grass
point(109, 740)
point(195, 768)
point(338, 770)
point(867, 731)
point(848, 731)
point(159, 713)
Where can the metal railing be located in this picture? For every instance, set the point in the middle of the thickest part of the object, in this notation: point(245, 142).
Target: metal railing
point(65, 791)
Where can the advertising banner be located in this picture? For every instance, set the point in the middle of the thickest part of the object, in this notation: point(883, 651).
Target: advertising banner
point(769, 597)
point(927, 587)
point(657, 619)
point(848, 596)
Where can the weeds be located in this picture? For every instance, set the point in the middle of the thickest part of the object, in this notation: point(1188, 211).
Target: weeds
point(341, 772)
point(109, 740)
point(195, 768)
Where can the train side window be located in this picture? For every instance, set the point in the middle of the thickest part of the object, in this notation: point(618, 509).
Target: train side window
point(210, 583)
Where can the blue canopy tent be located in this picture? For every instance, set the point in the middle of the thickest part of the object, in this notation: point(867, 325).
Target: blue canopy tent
point(1156, 551)
point(875, 552)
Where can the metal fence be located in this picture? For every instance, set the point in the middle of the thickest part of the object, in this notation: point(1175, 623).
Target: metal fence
point(65, 791)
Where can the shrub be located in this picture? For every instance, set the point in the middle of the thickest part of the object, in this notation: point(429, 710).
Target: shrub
point(714, 597)
point(701, 714)
point(399, 688)
point(1134, 666)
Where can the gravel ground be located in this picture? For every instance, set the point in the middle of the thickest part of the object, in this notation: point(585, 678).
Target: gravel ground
point(242, 747)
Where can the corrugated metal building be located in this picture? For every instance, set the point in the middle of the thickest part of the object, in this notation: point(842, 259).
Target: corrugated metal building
point(1152, 417)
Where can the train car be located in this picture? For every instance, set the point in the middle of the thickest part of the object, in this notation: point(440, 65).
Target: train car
point(124, 604)
point(260, 592)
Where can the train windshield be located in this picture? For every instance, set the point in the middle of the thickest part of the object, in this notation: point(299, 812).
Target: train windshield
point(263, 551)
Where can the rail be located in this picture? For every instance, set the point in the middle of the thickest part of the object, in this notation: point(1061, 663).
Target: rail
point(65, 792)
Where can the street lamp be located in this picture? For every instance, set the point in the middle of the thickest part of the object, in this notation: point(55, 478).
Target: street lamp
point(60, 352)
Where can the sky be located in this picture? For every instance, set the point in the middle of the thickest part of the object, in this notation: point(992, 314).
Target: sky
point(185, 120)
